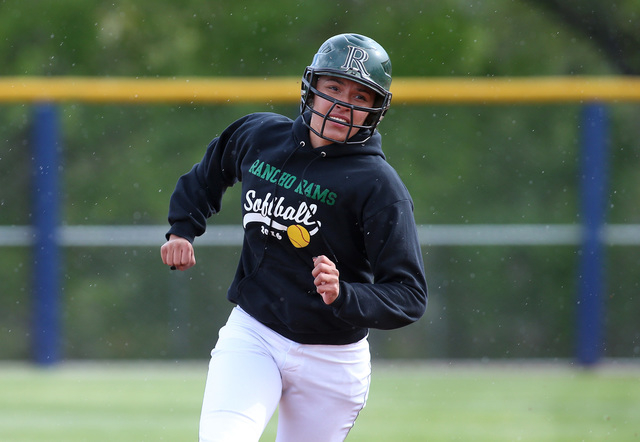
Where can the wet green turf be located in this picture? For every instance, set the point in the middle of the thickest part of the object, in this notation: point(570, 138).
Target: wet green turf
point(109, 401)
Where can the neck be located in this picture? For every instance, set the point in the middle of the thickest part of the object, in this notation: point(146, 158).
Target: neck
point(317, 141)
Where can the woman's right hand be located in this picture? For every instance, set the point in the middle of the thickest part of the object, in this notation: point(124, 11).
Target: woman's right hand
point(178, 253)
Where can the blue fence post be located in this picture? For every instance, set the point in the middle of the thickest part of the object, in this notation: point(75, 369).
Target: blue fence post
point(46, 297)
point(590, 336)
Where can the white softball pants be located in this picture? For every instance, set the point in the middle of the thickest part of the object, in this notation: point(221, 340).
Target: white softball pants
point(320, 389)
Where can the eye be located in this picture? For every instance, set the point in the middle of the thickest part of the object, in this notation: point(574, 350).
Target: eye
point(363, 98)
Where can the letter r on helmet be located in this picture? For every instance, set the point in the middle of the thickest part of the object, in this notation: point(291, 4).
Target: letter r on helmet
point(355, 60)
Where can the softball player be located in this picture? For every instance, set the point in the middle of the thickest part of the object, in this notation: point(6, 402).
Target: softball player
point(330, 250)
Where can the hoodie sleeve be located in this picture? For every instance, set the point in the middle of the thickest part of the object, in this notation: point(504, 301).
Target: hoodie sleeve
point(198, 193)
point(398, 294)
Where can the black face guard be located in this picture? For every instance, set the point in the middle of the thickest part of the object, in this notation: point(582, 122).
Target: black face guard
point(367, 128)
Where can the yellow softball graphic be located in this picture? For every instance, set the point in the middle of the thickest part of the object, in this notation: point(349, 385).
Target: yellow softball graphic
point(298, 235)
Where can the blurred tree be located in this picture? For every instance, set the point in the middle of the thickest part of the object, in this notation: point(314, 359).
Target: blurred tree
point(612, 26)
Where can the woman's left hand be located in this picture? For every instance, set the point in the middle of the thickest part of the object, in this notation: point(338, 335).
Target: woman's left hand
point(327, 278)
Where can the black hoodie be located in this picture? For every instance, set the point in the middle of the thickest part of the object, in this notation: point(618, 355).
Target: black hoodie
point(342, 201)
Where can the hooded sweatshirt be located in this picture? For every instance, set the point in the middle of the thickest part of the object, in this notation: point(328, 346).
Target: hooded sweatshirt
point(299, 202)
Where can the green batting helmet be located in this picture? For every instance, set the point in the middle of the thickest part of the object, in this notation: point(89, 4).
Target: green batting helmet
point(357, 58)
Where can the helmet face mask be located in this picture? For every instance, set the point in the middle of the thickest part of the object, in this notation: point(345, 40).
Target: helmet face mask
point(356, 58)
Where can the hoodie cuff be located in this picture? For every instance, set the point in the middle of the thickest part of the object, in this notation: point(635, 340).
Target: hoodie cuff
point(183, 230)
point(337, 304)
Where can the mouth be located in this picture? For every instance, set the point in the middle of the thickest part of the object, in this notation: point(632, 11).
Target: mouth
point(338, 120)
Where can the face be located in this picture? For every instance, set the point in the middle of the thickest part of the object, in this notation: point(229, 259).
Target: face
point(340, 117)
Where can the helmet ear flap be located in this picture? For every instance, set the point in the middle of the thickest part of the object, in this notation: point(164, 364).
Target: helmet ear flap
point(382, 103)
point(309, 80)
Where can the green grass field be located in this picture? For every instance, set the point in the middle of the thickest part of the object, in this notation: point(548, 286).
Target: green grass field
point(434, 401)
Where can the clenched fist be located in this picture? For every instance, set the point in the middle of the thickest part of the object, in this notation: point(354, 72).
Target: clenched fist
point(327, 278)
point(178, 253)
